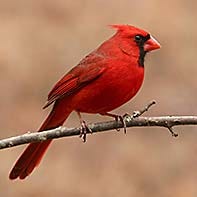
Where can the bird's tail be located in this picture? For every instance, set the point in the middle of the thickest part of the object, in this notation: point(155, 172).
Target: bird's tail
point(33, 154)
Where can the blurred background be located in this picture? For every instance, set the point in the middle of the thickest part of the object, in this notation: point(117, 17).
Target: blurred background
point(42, 40)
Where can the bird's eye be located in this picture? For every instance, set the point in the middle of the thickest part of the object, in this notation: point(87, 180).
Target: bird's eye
point(138, 38)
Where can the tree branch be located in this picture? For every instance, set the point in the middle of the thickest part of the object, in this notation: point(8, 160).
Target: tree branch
point(164, 121)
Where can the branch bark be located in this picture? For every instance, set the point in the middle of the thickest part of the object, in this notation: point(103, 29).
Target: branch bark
point(164, 121)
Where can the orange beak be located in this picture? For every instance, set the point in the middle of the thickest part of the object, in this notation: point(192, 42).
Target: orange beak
point(151, 44)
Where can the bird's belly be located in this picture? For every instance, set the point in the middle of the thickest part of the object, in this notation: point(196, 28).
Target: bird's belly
point(108, 92)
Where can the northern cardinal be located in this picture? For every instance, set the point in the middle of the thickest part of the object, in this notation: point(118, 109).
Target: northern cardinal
point(105, 79)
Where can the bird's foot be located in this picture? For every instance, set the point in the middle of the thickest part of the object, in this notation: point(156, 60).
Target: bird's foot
point(118, 118)
point(84, 130)
point(122, 120)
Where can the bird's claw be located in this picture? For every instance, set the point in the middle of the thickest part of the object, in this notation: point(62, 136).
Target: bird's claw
point(84, 130)
point(122, 120)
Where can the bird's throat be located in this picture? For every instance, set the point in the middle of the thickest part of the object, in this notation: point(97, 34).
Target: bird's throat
point(142, 55)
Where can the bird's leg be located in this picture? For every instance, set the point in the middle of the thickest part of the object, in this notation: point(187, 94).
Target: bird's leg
point(117, 117)
point(84, 128)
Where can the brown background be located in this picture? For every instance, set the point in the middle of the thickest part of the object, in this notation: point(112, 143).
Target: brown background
point(41, 40)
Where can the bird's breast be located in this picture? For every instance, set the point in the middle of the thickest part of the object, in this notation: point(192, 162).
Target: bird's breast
point(116, 86)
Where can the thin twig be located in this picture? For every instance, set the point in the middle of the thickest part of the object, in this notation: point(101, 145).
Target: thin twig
point(163, 121)
point(145, 109)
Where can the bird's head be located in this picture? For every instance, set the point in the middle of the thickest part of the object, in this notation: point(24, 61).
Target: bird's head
point(134, 41)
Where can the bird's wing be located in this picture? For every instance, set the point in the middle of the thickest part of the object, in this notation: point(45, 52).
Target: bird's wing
point(90, 68)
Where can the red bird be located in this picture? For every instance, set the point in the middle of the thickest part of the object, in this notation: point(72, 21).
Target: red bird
point(105, 79)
